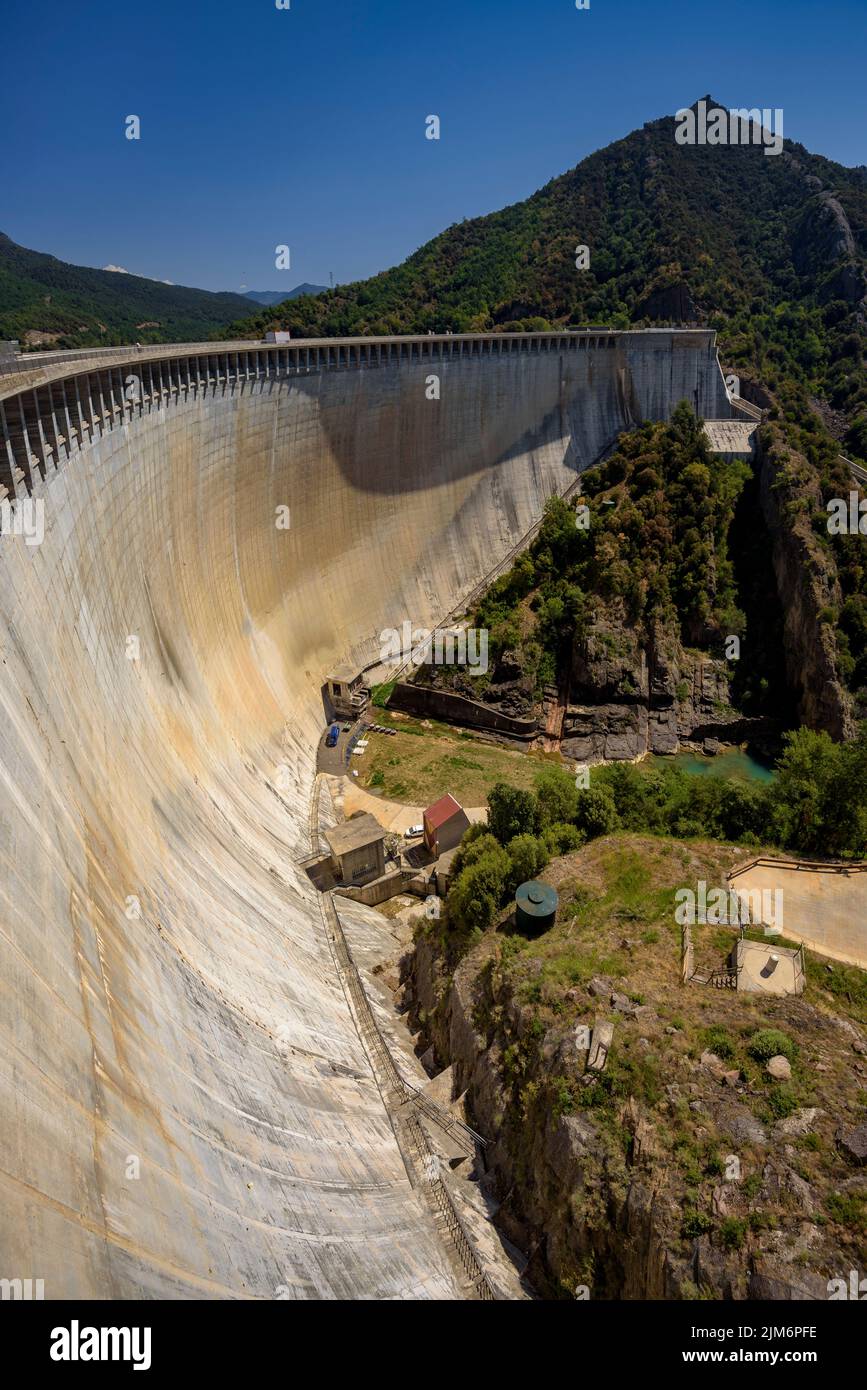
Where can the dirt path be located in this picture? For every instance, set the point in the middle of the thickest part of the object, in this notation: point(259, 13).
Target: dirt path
point(392, 815)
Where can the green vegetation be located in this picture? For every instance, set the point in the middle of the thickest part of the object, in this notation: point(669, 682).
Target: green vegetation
point(817, 804)
point(81, 307)
point(527, 828)
point(709, 235)
point(423, 760)
point(613, 953)
point(770, 1042)
point(653, 548)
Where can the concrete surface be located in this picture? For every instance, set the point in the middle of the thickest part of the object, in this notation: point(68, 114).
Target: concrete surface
point(824, 906)
point(757, 973)
point(392, 815)
point(185, 1107)
point(732, 438)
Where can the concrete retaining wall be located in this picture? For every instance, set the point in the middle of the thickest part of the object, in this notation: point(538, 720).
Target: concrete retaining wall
point(824, 905)
point(426, 703)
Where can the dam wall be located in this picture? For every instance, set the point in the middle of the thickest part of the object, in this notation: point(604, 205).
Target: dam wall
point(186, 1109)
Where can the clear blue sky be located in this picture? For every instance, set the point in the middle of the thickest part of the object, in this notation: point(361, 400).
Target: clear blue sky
point(306, 126)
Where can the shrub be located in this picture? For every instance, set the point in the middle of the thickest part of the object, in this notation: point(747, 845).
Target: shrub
point(717, 1040)
point(732, 1233)
point(561, 839)
point(770, 1042)
point(695, 1223)
point(782, 1101)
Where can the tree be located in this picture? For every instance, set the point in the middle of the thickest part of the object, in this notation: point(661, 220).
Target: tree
point(845, 810)
point(511, 812)
point(475, 895)
point(475, 840)
point(596, 813)
point(556, 795)
point(528, 855)
point(805, 774)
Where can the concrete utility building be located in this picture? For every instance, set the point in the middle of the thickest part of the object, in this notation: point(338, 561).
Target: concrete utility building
point(347, 692)
point(211, 1036)
point(444, 824)
point(357, 849)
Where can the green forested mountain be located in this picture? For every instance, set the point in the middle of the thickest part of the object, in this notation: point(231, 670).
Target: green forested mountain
point(770, 250)
point(45, 302)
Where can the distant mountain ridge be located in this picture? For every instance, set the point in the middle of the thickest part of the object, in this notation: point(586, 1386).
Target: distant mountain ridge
point(46, 302)
point(269, 297)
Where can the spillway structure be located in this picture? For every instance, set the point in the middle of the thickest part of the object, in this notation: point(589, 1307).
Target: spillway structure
point(192, 537)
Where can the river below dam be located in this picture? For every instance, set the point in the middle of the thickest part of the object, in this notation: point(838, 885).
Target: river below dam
point(734, 763)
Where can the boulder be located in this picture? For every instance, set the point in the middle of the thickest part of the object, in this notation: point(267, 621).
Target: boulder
point(712, 1063)
point(601, 987)
point(853, 1143)
point(799, 1124)
point(740, 1124)
point(780, 1068)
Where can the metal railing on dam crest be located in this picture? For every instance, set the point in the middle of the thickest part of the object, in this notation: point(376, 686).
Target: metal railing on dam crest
point(54, 404)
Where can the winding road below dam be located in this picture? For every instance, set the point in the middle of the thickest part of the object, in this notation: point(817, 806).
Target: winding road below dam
point(186, 1107)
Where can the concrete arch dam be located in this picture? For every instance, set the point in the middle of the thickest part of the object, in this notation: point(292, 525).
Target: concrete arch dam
point(186, 1109)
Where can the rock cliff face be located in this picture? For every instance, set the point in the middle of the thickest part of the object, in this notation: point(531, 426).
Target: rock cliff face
point(808, 587)
point(823, 243)
point(636, 694)
point(601, 1201)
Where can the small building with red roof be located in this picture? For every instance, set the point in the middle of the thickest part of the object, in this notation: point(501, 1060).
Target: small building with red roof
point(444, 824)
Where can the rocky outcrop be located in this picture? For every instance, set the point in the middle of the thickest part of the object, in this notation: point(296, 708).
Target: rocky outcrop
point(668, 301)
point(639, 694)
point(824, 246)
point(807, 585)
point(604, 1209)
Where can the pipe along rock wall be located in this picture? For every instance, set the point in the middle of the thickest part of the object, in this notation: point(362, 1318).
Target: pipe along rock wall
point(185, 1107)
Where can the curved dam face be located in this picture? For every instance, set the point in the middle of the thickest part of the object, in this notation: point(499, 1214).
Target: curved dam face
point(186, 1109)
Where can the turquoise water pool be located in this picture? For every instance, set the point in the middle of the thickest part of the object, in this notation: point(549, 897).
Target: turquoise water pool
point(731, 762)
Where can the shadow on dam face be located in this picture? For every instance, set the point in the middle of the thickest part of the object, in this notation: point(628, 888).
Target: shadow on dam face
point(186, 1110)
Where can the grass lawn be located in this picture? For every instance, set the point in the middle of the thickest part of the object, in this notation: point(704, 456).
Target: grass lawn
point(424, 760)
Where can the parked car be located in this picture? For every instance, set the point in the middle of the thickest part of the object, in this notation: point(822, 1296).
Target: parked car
point(413, 832)
point(332, 736)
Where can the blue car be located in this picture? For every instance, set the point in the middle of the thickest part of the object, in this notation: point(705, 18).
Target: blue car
point(332, 736)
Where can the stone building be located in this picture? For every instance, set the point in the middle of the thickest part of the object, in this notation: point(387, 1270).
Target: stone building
point(357, 849)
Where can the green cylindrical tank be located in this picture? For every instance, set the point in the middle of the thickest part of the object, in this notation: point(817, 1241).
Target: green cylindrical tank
point(535, 907)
